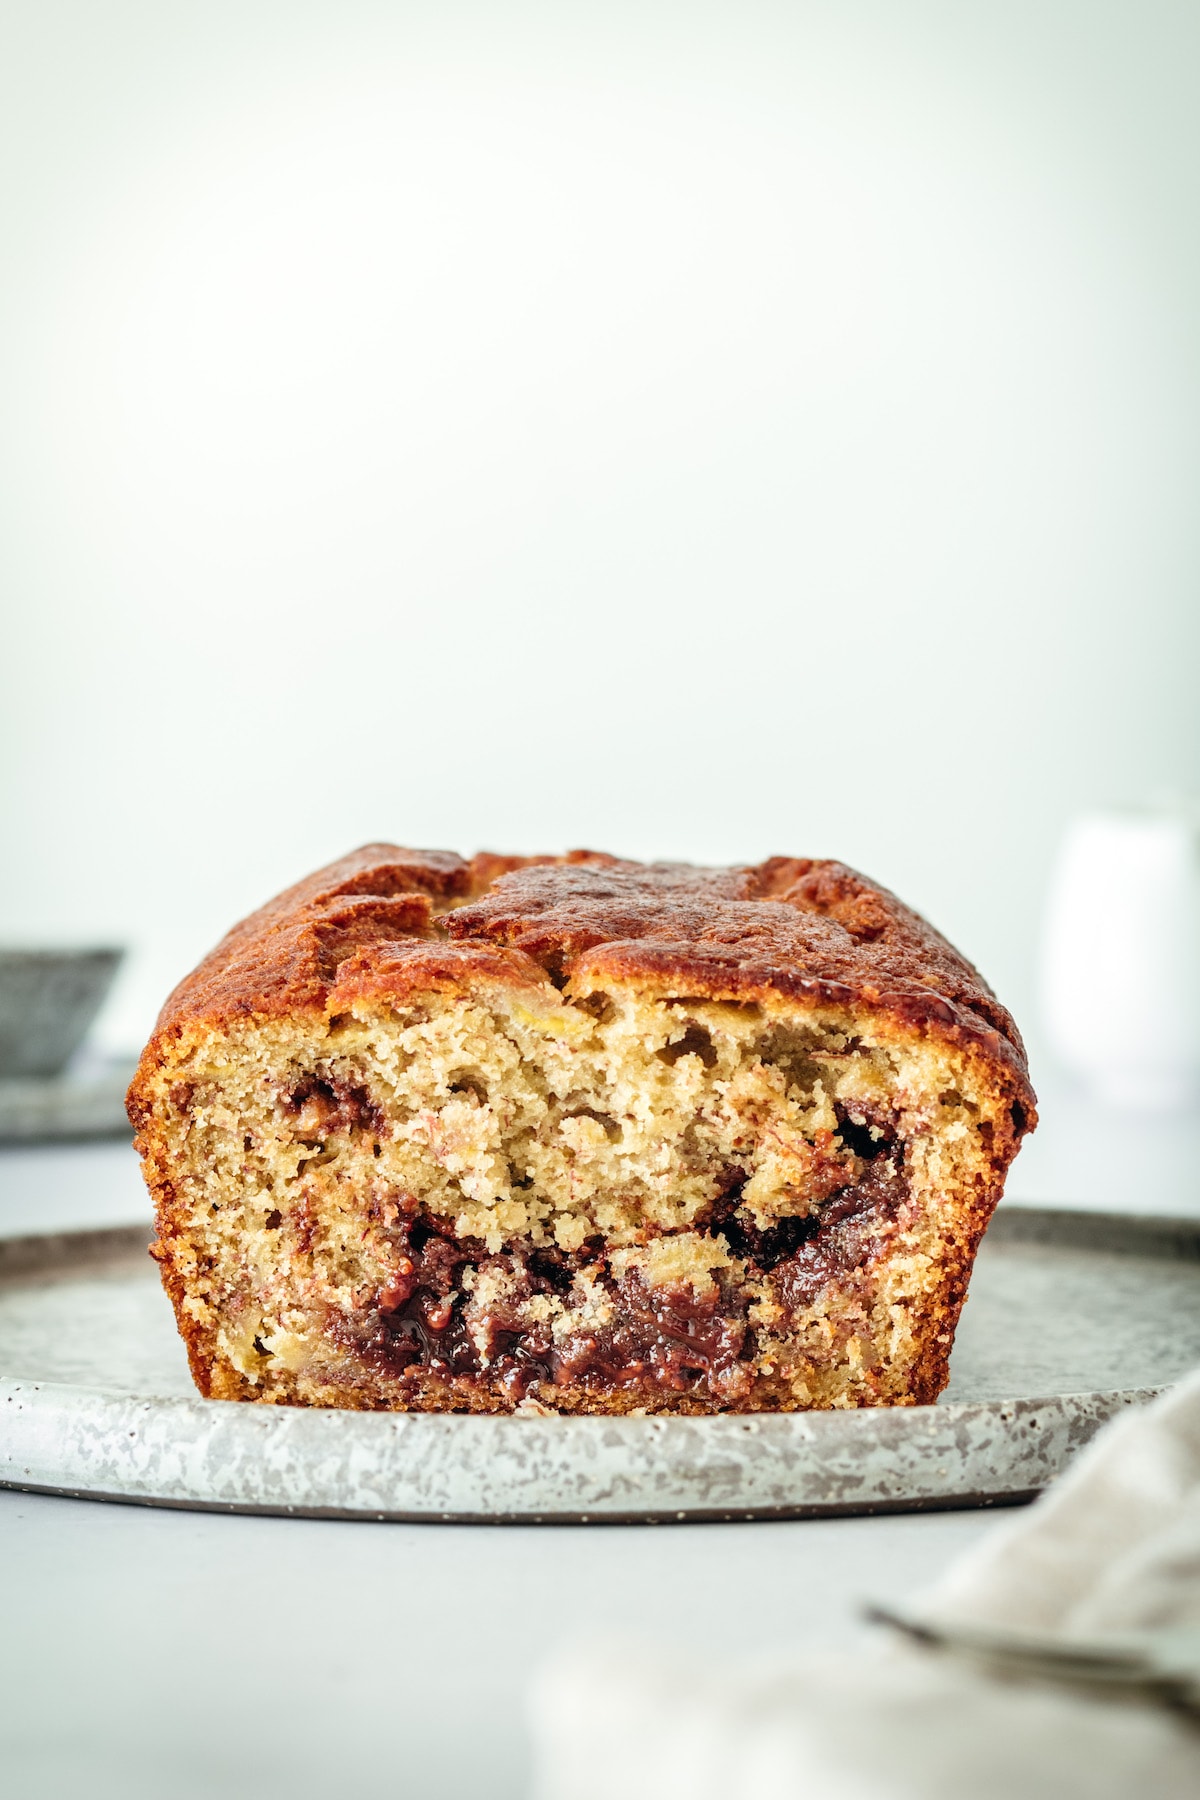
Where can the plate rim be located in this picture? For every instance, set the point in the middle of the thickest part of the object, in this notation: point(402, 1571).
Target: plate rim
point(1067, 1420)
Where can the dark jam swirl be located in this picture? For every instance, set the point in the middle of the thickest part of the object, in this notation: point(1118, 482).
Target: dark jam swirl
point(426, 1319)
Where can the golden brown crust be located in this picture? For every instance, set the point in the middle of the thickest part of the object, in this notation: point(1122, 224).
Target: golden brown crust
point(794, 928)
point(790, 927)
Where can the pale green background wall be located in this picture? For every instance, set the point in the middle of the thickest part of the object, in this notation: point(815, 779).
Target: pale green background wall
point(690, 430)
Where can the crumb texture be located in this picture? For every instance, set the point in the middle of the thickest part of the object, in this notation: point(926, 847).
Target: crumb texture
point(430, 1134)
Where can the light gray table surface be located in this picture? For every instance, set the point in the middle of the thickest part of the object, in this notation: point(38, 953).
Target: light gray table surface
point(184, 1656)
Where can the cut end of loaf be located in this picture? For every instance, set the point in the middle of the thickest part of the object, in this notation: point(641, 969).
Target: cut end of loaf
point(478, 1190)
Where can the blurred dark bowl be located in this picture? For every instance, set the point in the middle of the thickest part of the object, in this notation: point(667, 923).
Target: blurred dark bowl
point(48, 999)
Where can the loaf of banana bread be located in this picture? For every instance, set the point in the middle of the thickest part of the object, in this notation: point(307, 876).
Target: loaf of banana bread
point(576, 1134)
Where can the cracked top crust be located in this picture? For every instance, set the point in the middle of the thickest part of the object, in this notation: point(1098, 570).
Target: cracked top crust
point(388, 922)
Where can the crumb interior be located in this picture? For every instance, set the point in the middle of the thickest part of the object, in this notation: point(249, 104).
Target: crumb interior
point(605, 1201)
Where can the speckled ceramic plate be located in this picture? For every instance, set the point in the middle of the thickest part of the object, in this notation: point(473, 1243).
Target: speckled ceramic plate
point(1072, 1316)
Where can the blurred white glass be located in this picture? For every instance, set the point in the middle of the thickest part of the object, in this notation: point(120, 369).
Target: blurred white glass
point(1120, 966)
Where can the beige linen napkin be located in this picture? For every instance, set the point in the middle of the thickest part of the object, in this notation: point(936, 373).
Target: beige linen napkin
point(1112, 1548)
